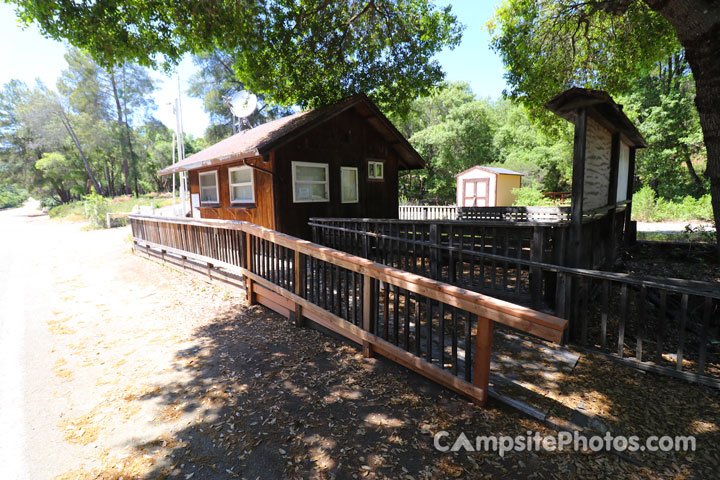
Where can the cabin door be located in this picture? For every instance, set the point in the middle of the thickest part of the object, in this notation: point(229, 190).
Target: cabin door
point(476, 192)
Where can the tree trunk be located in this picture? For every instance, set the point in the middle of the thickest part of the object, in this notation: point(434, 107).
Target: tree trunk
point(66, 123)
point(697, 24)
point(121, 128)
point(698, 181)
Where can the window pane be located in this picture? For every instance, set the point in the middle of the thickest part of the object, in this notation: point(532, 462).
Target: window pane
point(349, 185)
point(208, 194)
point(207, 180)
point(378, 170)
point(244, 175)
point(305, 191)
point(242, 194)
point(311, 174)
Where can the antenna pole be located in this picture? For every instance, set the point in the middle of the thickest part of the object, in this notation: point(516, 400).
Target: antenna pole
point(181, 148)
point(172, 149)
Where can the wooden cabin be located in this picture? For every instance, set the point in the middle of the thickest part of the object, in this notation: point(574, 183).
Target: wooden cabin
point(603, 171)
point(340, 160)
point(480, 186)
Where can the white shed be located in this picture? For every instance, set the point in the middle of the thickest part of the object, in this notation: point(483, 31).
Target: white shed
point(487, 187)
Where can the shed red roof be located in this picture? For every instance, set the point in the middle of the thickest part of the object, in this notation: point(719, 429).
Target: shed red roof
point(271, 135)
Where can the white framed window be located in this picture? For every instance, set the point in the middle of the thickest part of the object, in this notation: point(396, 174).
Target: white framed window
point(209, 187)
point(349, 185)
point(310, 182)
point(241, 185)
point(375, 170)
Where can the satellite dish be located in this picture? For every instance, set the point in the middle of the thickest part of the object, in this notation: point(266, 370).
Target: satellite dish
point(243, 103)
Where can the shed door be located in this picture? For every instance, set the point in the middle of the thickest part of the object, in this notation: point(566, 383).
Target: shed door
point(476, 192)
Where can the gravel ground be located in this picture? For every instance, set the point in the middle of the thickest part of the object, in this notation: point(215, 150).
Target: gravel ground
point(131, 370)
point(671, 227)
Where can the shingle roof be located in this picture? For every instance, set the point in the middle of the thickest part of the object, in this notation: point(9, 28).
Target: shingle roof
point(601, 106)
point(271, 135)
point(499, 170)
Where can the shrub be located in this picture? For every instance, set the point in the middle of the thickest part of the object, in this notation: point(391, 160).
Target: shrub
point(96, 206)
point(647, 208)
point(12, 196)
point(643, 203)
point(49, 202)
point(530, 197)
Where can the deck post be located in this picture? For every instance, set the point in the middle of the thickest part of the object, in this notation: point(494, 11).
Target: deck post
point(434, 252)
point(367, 313)
point(248, 262)
point(536, 275)
point(483, 350)
point(298, 283)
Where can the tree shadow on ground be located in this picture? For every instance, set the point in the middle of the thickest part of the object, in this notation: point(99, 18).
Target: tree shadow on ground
point(264, 399)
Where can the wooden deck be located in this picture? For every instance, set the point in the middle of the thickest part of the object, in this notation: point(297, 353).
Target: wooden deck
point(666, 326)
point(439, 330)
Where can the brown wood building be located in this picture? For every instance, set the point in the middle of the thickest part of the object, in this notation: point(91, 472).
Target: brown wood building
point(341, 160)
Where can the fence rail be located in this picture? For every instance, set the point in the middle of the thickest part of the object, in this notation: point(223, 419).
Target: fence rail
point(439, 330)
point(515, 214)
point(663, 325)
point(427, 212)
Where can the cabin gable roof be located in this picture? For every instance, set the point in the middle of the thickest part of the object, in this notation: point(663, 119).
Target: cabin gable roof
point(270, 136)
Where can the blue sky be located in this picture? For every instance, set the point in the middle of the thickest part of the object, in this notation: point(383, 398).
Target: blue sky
point(27, 55)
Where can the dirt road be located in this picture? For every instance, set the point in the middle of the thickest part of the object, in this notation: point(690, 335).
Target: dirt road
point(113, 367)
point(85, 328)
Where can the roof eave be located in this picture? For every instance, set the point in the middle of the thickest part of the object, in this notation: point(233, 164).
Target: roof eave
point(233, 157)
point(565, 106)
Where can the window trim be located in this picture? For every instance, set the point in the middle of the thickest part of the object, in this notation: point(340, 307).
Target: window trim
point(382, 169)
point(217, 187)
point(326, 182)
point(242, 184)
point(357, 186)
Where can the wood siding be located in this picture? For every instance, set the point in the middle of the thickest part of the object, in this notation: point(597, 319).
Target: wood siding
point(261, 213)
point(597, 166)
point(347, 140)
point(505, 185)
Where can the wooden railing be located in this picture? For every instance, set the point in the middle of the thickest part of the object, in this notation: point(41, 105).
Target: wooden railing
point(439, 330)
point(427, 212)
point(515, 214)
point(558, 197)
point(438, 249)
point(668, 326)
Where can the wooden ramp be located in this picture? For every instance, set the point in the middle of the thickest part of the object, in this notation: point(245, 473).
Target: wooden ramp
point(526, 371)
point(438, 330)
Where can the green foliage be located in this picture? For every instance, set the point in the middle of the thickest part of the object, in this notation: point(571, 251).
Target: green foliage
point(549, 45)
point(216, 80)
point(643, 203)
point(530, 197)
point(12, 196)
point(301, 52)
point(454, 131)
point(690, 234)
point(648, 207)
point(663, 104)
point(49, 202)
point(96, 129)
point(76, 210)
point(96, 207)
point(544, 158)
